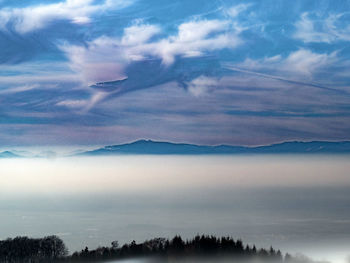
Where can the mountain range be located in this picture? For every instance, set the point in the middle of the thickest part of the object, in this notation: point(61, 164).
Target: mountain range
point(8, 154)
point(156, 147)
point(168, 148)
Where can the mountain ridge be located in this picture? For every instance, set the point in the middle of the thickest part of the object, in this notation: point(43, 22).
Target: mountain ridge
point(9, 154)
point(169, 148)
point(150, 147)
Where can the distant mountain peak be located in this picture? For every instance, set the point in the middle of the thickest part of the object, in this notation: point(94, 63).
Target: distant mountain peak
point(8, 154)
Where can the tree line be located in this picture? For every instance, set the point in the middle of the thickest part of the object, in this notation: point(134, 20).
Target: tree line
point(53, 249)
point(32, 250)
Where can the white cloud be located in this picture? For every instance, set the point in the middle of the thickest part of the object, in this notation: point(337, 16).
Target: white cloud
point(72, 103)
point(194, 38)
point(105, 58)
point(327, 30)
point(139, 34)
point(84, 104)
point(234, 11)
point(196, 30)
point(37, 17)
point(303, 63)
point(100, 61)
point(201, 85)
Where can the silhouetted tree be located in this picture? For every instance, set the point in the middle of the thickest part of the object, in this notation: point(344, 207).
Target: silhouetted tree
point(52, 249)
point(24, 249)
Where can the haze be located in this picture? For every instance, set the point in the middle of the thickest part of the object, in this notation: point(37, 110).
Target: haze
point(295, 203)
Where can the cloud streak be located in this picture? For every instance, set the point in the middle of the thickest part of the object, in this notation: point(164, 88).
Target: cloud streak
point(301, 64)
point(32, 18)
point(310, 84)
point(311, 28)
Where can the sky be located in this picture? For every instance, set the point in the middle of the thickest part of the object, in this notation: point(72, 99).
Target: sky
point(241, 72)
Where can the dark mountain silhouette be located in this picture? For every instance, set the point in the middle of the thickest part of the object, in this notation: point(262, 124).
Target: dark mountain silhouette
point(156, 147)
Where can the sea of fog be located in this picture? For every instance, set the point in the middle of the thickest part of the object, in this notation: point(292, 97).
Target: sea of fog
point(300, 204)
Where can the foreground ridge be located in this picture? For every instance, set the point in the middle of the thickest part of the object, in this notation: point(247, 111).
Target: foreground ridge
point(53, 249)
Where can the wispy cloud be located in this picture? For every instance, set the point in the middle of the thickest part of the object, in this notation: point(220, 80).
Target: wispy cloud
point(72, 103)
point(39, 16)
point(36, 79)
point(300, 63)
point(194, 38)
point(234, 11)
point(83, 105)
point(202, 85)
point(139, 34)
point(18, 89)
point(105, 58)
point(313, 28)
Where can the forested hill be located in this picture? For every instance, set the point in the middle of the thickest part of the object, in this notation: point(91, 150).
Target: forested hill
point(52, 249)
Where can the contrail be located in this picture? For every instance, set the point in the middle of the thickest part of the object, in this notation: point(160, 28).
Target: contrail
point(284, 79)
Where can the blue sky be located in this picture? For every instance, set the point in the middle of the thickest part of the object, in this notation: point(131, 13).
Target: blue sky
point(88, 72)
